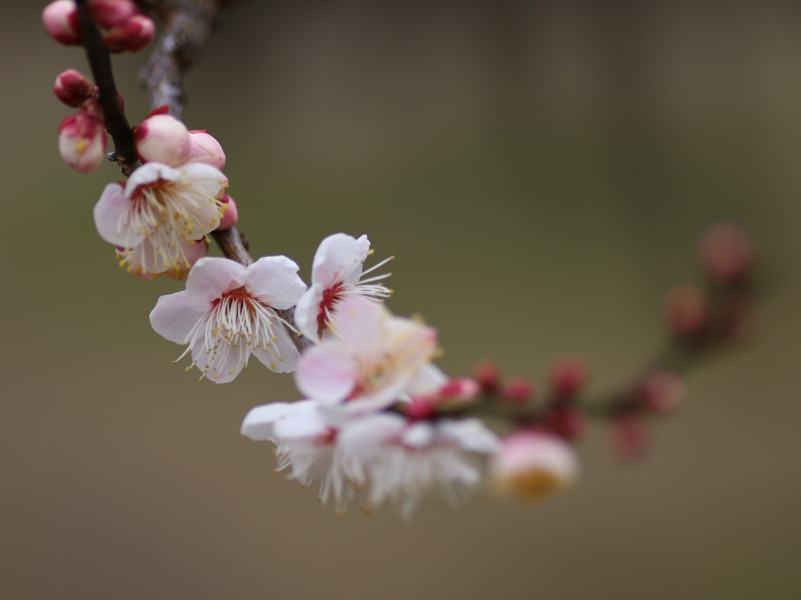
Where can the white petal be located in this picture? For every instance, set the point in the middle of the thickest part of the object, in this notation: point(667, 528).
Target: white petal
point(302, 421)
point(223, 363)
point(339, 258)
point(360, 437)
point(418, 435)
point(470, 434)
point(259, 423)
point(148, 174)
point(285, 355)
point(361, 324)
point(427, 380)
point(209, 179)
point(307, 310)
point(274, 280)
point(325, 372)
point(111, 220)
point(212, 276)
point(175, 315)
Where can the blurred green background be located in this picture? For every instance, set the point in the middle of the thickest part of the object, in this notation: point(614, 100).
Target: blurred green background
point(541, 172)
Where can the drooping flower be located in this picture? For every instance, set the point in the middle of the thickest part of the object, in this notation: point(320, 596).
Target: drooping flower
point(402, 462)
point(336, 275)
point(228, 312)
point(306, 445)
point(159, 212)
point(375, 360)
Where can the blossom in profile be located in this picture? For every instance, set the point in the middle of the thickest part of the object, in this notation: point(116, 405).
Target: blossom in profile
point(159, 213)
point(531, 465)
point(402, 462)
point(228, 313)
point(306, 445)
point(337, 273)
point(82, 140)
point(375, 360)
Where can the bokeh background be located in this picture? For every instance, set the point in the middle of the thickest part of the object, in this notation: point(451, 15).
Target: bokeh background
point(541, 172)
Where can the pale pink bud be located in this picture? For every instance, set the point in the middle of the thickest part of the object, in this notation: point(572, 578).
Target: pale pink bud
point(206, 149)
point(726, 252)
point(488, 375)
point(82, 141)
point(518, 390)
point(111, 13)
point(73, 88)
point(461, 390)
point(568, 374)
point(230, 213)
point(132, 36)
point(60, 20)
point(162, 138)
point(685, 310)
point(531, 465)
point(662, 391)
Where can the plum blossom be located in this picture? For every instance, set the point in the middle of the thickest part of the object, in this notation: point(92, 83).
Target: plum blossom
point(336, 275)
point(161, 212)
point(306, 445)
point(377, 359)
point(228, 312)
point(401, 462)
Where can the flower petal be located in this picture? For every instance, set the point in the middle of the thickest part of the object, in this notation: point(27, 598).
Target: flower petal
point(361, 324)
point(326, 373)
point(175, 315)
point(339, 258)
point(148, 174)
point(284, 356)
point(274, 280)
point(307, 310)
point(209, 179)
point(212, 276)
point(111, 216)
point(259, 423)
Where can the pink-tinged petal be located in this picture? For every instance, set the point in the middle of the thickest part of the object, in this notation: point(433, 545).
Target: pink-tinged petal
point(361, 437)
point(205, 177)
point(259, 423)
point(284, 355)
point(302, 421)
point(111, 217)
point(470, 434)
point(176, 315)
point(427, 380)
point(148, 174)
point(361, 324)
point(326, 373)
point(224, 362)
point(339, 258)
point(274, 281)
point(212, 276)
point(418, 435)
point(307, 310)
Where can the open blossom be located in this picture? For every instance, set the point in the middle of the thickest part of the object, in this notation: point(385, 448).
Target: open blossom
point(337, 275)
point(376, 360)
point(306, 445)
point(402, 462)
point(159, 212)
point(228, 312)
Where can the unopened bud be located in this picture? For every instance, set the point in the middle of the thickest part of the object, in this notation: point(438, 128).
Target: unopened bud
point(459, 391)
point(628, 437)
point(685, 310)
point(73, 88)
point(662, 391)
point(568, 374)
point(132, 36)
point(111, 13)
point(82, 141)
point(488, 375)
point(517, 390)
point(419, 409)
point(60, 20)
point(726, 252)
point(531, 465)
point(206, 149)
point(231, 214)
point(565, 421)
point(162, 138)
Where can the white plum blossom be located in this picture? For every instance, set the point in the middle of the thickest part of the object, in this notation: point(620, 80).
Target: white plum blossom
point(402, 462)
point(306, 444)
point(159, 214)
point(336, 275)
point(228, 312)
point(375, 360)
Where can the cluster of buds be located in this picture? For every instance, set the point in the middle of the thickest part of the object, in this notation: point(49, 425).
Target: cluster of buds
point(125, 29)
point(81, 135)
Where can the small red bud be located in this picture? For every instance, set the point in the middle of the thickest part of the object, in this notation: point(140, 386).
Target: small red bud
point(685, 310)
point(419, 409)
point(488, 375)
point(518, 390)
point(136, 33)
point(662, 391)
point(60, 20)
point(73, 88)
point(111, 13)
point(568, 374)
point(231, 214)
point(726, 252)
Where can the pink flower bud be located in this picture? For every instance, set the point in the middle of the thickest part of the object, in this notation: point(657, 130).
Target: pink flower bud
point(82, 141)
point(662, 391)
point(419, 409)
point(204, 148)
point(726, 252)
point(73, 88)
point(458, 391)
point(685, 310)
point(111, 13)
point(132, 36)
point(230, 213)
point(531, 465)
point(568, 374)
point(488, 375)
point(518, 390)
point(162, 138)
point(60, 20)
